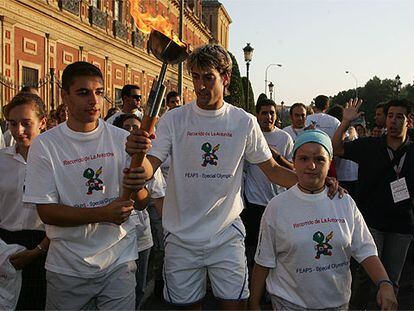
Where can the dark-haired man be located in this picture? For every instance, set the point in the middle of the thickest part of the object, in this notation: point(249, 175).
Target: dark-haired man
point(297, 114)
point(385, 189)
point(320, 120)
point(173, 100)
point(379, 117)
point(74, 176)
point(131, 102)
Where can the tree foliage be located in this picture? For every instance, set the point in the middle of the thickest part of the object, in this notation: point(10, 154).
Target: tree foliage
point(235, 89)
point(250, 106)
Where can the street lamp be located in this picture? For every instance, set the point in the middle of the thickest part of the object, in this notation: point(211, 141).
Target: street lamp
point(248, 54)
point(282, 103)
point(356, 82)
point(271, 87)
point(267, 68)
point(397, 86)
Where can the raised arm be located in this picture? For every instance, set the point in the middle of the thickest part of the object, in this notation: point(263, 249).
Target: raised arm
point(351, 112)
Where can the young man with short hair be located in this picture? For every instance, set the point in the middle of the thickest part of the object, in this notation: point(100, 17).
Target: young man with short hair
point(385, 190)
point(320, 120)
point(173, 100)
point(131, 102)
point(74, 176)
point(297, 114)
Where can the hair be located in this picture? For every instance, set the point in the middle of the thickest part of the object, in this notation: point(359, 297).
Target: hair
point(111, 112)
point(336, 111)
point(119, 121)
point(265, 102)
point(28, 89)
point(321, 102)
point(295, 105)
point(405, 103)
point(380, 105)
point(172, 94)
point(210, 56)
point(126, 90)
point(78, 69)
point(58, 110)
point(23, 99)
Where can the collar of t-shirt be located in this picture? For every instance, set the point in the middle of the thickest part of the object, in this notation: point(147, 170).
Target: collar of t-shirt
point(83, 136)
point(12, 151)
point(209, 113)
point(308, 196)
point(401, 149)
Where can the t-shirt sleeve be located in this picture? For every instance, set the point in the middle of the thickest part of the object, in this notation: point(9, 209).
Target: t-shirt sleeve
point(162, 144)
point(40, 184)
point(362, 245)
point(257, 149)
point(157, 185)
point(289, 149)
point(266, 247)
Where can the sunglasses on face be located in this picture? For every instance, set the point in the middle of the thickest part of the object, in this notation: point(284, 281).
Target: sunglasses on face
point(136, 97)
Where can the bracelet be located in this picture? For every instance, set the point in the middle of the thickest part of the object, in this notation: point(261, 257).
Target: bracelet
point(39, 247)
point(385, 281)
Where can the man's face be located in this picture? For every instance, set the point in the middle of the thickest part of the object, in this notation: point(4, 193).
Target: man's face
point(311, 165)
point(209, 86)
point(173, 102)
point(84, 100)
point(397, 122)
point(379, 117)
point(132, 101)
point(298, 117)
point(267, 118)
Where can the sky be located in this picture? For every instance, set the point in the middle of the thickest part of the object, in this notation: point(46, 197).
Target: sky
point(316, 41)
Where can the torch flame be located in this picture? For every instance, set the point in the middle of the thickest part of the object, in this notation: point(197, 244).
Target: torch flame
point(146, 22)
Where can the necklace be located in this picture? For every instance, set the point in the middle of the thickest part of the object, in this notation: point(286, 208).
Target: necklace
point(311, 191)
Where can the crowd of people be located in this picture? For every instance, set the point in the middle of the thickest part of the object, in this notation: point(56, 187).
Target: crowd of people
point(317, 215)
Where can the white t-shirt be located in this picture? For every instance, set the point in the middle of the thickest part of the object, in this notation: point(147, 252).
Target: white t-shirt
point(81, 170)
point(207, 148)
point(156, 188)
point(293, 132)
point(323, 122)
point(257, 187)
point(2, 142)
point(307, 240)
point(14, 214)
point(112, 118)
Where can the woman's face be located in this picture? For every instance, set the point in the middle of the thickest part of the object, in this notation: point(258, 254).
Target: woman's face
point(131, 124)
point(24, 124)
point(312, 163)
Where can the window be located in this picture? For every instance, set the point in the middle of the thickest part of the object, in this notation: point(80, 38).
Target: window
point(118, 10)
point(118, 99)
point(30, 76)
point(96, 3)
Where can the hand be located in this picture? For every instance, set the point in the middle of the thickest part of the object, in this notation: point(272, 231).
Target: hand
point(134, 178)
point(386, 297)
point(23, 258)
point(334, 188)
point(118, 211)
point(351, 110)
point(139, 141)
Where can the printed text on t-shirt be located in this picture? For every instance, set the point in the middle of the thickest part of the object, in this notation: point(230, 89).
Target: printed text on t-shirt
point(317, 221)
point(209, 134)
point(88, 158)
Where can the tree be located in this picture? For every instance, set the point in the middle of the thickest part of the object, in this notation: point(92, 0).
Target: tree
point(235, 89)
point(250, 107)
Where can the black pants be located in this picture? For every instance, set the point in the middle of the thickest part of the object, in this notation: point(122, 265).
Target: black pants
point(33, 292)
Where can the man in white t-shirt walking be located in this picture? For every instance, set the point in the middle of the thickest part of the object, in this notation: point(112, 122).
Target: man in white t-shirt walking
point(131, 102)
point(320, 120)
point(297, 114)
point(207, 140)
point(74, 176)
point(258, 190)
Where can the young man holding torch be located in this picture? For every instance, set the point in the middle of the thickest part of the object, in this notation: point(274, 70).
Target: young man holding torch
point(208, 141)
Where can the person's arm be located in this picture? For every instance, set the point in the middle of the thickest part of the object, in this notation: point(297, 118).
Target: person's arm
point(257, 286)
point(281, 160)
point(23, 258)
point(277, 174)
point(386, 297)
point(350, 113)
point(62, 215)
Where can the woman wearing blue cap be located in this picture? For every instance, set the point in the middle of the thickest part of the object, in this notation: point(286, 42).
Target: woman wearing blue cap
point(306, 240)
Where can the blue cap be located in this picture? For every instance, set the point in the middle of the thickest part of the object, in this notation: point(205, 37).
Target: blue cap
point(314, 136)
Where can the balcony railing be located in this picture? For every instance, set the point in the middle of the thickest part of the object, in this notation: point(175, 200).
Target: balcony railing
point(97, 17)
point(72, 6)
point(138, 39)
point(120, 30)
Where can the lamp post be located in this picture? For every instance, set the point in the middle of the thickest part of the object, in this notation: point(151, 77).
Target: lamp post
point(248, 54)
point(356, 82)
point(267, 68)
point(271, 87)
point(282, 103)
point(397, 86)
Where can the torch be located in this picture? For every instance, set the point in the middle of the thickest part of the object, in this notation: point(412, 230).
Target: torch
point(168, 51)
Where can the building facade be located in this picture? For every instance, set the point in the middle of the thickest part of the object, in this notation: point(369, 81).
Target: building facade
point(39, 38)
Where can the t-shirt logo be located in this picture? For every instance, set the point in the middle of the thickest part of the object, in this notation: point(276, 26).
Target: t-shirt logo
point(209, 156)
point(94, 182)
point(322, 247)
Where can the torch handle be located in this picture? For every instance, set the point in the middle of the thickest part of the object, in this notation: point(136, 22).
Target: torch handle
point(148, 125)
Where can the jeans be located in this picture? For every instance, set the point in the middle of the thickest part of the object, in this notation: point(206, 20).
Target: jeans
point(392, 251)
